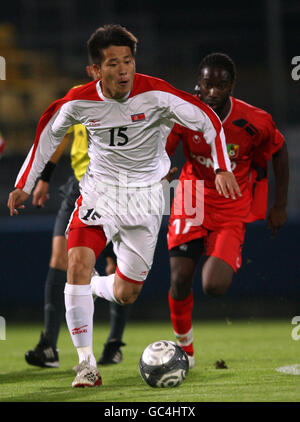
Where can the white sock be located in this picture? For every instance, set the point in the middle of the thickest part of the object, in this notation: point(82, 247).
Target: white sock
point(86, 353)
point(79, 316)
point(103, 286)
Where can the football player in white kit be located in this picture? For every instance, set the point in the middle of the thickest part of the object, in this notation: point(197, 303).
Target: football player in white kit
point(128, 117)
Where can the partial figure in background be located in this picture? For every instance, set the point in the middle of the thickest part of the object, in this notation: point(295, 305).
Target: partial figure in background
point(252, 140)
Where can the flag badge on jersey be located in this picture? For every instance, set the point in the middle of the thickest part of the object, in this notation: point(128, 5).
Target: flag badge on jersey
point(137, 117)
point(233, 150)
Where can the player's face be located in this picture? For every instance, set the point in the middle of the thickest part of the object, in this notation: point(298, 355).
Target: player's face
point(215, 86)
point(117, 71)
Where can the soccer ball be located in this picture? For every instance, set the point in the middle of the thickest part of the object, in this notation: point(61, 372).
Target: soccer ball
point(163, 364)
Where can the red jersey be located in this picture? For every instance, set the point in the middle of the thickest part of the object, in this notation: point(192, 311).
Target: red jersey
point(252, 138)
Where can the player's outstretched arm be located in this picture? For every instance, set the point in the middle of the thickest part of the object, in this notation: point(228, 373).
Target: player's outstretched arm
point(277, 213)
point(41, 192)
point(16, 200)
point(226, 184)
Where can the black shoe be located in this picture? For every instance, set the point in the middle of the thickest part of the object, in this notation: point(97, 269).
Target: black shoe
point(111, 353)
point(43, 355)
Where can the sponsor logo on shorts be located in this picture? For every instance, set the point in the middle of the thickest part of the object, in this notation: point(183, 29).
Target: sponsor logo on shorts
point(143, 273)
point(183, 247)
point(100, 294)
point(79, 330)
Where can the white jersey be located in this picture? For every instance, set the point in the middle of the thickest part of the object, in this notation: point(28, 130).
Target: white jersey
point(125, 136)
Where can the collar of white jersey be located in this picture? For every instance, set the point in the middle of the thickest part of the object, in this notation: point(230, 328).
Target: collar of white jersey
point(110, 100)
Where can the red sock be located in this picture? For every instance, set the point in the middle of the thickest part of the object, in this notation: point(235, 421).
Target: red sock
point(181, 317)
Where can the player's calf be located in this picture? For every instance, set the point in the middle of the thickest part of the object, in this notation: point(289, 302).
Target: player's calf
point(182, 271)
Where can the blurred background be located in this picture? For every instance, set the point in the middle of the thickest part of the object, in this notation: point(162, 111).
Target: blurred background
point(44, 46)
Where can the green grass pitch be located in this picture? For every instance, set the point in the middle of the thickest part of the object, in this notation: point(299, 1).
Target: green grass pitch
point(251, 349)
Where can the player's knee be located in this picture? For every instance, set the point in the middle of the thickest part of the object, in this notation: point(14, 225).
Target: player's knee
point(77, 269)
point(126, 299)
point(216, 276)
point(181, 284)
point(215, 287)
point(126, 295)
point(59, 256)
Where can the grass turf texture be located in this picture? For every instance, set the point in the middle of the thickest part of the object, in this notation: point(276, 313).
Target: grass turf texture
point(252, 351)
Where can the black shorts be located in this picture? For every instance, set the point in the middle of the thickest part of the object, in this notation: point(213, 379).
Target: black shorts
point(193, 249)
point(70, 192)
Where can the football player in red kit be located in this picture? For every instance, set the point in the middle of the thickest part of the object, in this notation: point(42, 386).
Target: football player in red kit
point(252, 140)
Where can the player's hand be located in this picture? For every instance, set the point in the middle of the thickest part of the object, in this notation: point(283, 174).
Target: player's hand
point(226, 184)
point(40, 194)
point(15, 201)
point(170, 176)
point(276, 218)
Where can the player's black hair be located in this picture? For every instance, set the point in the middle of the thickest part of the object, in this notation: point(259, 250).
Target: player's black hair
point(220, 60)
point(108, 35)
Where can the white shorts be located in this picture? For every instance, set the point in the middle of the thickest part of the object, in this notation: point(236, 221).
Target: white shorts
point(130, 218)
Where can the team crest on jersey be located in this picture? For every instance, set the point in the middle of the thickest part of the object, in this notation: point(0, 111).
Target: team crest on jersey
point(197, 139)
point(233, 150)
point(137, 117)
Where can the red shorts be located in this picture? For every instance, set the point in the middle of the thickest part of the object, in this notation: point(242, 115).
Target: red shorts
point(80, 234)
point(224, 241)
point(132, 266)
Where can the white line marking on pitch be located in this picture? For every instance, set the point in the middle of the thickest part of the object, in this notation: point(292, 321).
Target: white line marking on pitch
point(290, 369)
